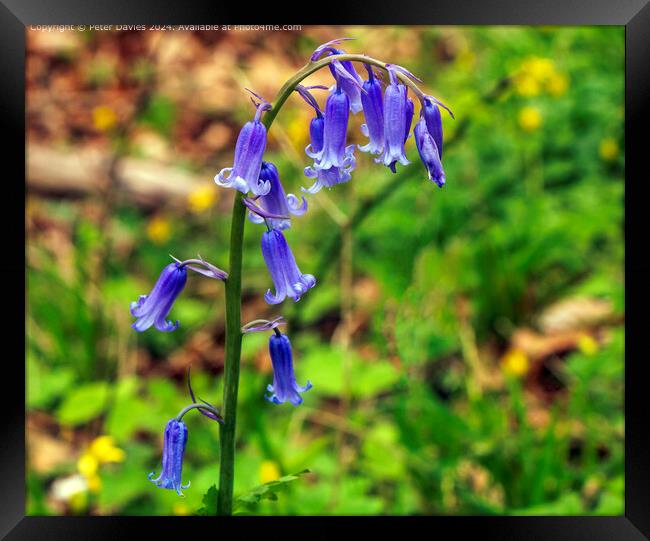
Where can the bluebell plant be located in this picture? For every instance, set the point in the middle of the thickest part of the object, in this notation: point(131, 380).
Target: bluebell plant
point(259, 192)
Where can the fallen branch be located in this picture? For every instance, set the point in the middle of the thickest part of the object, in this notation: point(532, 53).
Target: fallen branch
point(86, 171)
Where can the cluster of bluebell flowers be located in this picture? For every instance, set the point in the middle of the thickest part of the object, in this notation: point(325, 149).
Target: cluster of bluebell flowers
point(388, 114)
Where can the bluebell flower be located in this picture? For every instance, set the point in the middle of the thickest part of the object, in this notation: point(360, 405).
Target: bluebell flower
point(373, 110)
point(350, 85)
point(335, 128)
point(276, 201)
point(249, 150)
point(350, 88)
point(316, 136)
point(396, 110)
point(284, 386)
point(325, 47)
point(333, 175)
point(286, 276)
point(428, 150)
point(408, 120)
point(172, 458)
point(154, 308)
point(432, 117)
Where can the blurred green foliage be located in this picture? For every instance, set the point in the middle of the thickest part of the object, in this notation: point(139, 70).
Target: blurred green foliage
point(414, 413)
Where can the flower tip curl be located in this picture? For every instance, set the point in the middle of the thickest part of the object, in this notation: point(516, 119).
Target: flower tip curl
point(318, 52)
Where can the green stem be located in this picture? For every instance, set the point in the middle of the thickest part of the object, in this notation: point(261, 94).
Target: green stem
point(233, 288)
point(233, 355)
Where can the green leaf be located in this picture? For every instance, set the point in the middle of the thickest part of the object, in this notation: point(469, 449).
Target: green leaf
point(45, 385)
point(267, 491)
point(209, 501)
point(160, 114)
point(83, 404)
point(372, 379)
point(366, 379)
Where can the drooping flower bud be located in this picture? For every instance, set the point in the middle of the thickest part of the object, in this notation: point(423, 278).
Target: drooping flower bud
point(286, 276)
point(154, 308)
point(249, 150)
point(408, 117)
point(172, 459)
point(432, 117)
point(284, 388)
point(335, 130)
point(395, 116)
point(428, 150)
point(373, 110)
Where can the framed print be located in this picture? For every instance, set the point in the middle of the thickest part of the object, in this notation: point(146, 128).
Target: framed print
point(346, 273)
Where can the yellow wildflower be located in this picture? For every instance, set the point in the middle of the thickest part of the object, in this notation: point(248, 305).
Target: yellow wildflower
point(269, 471)
point(515, 363)
point(87, 465)
point(180, 509)
point(94, 483)
point(587, 344)
point(608, 149)
point(530, 118)
point(538, 73)
point(104, 118)
point(539, 68)
point(526, 85)
point(557, 84)
point(104, 450)
point(159, 230)
point(202, 198)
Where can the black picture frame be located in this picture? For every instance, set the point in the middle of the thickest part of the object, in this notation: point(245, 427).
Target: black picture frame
point(16, 15)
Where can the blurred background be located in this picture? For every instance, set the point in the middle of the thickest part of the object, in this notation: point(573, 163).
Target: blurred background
point(465, 343)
